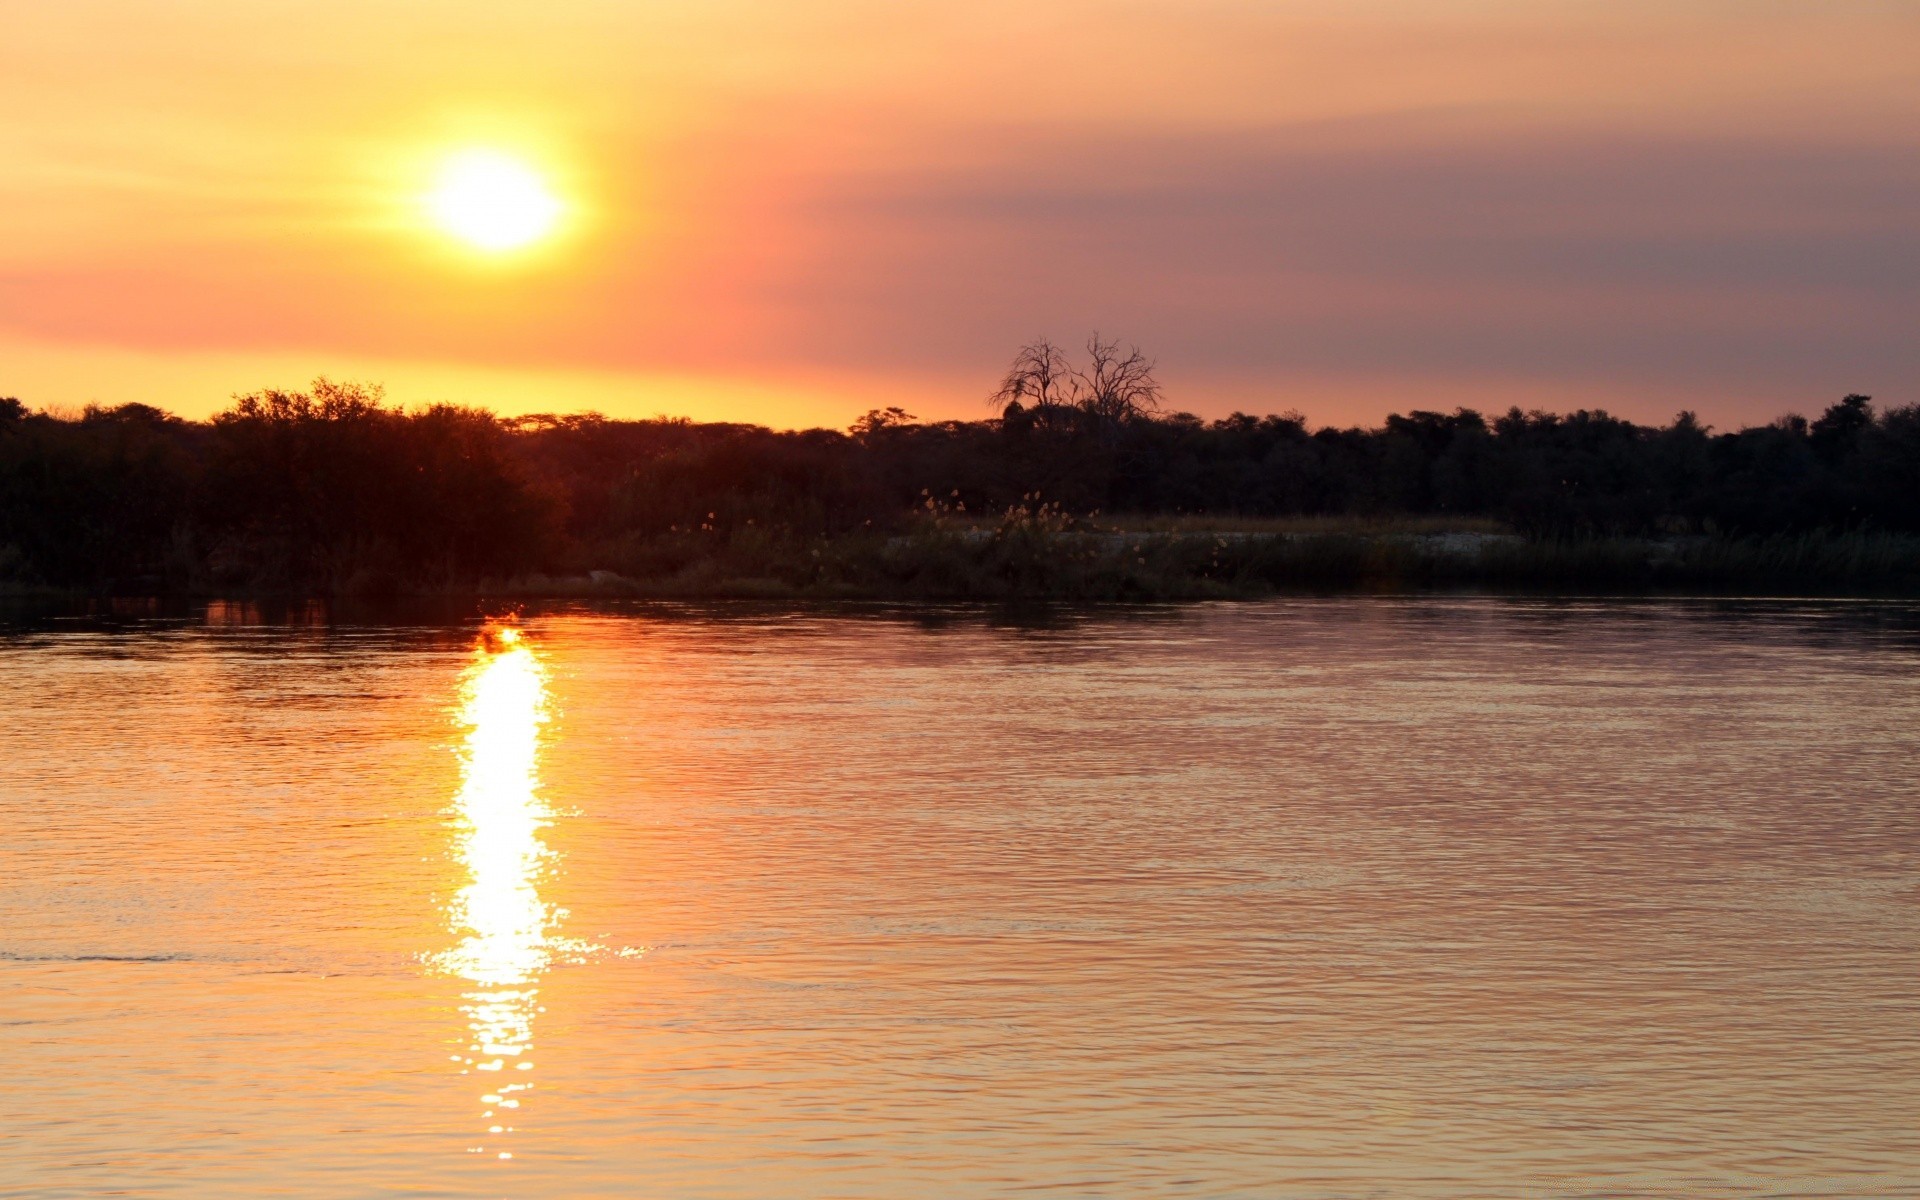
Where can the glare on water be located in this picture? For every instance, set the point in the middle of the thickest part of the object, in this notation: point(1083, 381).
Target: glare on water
point(499, 815)
point(1433, 897)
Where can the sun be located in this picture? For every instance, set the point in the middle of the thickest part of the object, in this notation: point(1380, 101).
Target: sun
point(492, 201)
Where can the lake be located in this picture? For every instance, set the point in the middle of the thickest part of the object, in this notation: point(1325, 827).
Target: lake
point(1347, 897)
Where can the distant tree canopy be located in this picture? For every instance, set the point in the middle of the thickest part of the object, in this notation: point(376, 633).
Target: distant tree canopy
point(335, 488)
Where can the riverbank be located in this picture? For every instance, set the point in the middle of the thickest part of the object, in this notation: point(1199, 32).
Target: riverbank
point(1032, 561)
point(1109, 565)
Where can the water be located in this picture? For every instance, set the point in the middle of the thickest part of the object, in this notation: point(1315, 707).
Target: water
point(1318, 898)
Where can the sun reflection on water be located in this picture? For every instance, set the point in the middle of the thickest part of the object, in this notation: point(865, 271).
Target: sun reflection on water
point(503, 924)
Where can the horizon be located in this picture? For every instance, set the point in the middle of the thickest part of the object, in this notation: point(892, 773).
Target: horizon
point(787, 216)
point(74, 412)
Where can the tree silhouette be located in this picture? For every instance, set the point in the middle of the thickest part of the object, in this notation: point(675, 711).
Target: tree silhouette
point(334, 489)
point(1039, 377)
point(1117, 386)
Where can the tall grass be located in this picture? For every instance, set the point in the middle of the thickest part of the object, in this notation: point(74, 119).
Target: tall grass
point(1203, 523)
point(1039, 555)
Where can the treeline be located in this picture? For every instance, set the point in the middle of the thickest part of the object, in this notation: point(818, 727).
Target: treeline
point(334, 490)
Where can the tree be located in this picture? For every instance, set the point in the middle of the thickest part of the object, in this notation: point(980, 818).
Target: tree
point(1839, 428)
point(1116, 387)
point(878, 420)
point(329, 401)
point(1040, 375)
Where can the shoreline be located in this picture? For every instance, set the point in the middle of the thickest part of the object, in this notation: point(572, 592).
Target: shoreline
point(1106, 566)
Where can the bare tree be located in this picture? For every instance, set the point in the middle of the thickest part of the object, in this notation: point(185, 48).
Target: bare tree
point(1116, 386)
point(1040, 376)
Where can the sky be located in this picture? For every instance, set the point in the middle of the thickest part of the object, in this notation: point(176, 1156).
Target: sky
point(792, 211)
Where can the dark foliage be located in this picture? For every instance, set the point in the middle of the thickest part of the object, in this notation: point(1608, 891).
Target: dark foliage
point(334, 490)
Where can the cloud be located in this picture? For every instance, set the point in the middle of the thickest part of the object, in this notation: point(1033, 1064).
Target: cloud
point(1394, 245)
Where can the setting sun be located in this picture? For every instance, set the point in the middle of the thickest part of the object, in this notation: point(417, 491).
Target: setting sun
point(492, 201)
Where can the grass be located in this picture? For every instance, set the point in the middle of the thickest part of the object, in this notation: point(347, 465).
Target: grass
point(1043, 554)
point(1201, 523)
point(1041, 559)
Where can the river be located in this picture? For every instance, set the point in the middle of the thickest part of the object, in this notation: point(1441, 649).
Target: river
point(1316, 898)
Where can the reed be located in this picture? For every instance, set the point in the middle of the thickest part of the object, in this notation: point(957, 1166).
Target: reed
point(1049, 557)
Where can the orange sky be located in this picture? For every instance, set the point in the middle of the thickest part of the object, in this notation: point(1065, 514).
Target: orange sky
point(791, 212)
